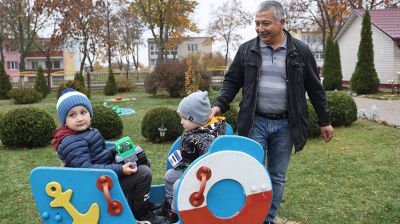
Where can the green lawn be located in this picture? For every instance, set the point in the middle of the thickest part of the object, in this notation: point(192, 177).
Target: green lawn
point(353, 179)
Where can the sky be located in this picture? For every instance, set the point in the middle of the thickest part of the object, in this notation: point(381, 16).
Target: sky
point(202, 16)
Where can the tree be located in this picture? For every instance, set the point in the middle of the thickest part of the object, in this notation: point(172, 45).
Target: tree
point(111, 86)
point(40, 82)
point(372, 4)
point(365, 79)
point(226, 22)
point(167, 20)
point(192, 77)
point(25, 19)
point(5, 84)
point(79, 77)
point(81, 25)
point(331, 69)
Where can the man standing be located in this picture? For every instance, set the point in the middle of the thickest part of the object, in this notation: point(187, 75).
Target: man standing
point(275, 71)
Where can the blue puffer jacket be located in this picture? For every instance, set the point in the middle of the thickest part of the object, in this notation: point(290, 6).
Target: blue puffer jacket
point(87, 150)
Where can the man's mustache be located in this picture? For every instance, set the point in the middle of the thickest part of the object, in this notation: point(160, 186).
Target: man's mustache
point(263, 33)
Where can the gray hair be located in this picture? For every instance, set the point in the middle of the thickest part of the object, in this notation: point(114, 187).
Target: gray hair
point(276, 7)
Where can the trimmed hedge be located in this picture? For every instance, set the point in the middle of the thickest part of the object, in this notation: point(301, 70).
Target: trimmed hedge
point(75, 85)
point(343, 108)
point(154, 118)
point(26, 127)
point(107, 122)
point(25, 95)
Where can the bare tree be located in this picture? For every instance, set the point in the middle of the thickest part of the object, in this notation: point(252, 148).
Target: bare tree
point(226, 21)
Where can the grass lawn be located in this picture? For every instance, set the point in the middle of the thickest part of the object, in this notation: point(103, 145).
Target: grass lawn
point(353, 179)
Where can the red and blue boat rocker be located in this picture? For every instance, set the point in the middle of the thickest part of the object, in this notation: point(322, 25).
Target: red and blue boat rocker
point(229, 184)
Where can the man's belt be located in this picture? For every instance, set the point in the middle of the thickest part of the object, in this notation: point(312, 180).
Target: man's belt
point(273, 116)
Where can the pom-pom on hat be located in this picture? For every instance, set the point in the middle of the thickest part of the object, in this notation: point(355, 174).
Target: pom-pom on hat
point(69, 99)
point(196, 107)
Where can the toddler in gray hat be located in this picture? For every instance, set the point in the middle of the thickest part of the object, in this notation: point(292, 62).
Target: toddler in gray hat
point(200, 131)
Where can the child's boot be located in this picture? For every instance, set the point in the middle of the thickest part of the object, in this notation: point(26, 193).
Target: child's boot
point(145, 215)
point(164, 209)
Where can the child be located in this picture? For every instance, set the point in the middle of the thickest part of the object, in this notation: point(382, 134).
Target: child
point(199, 132)
point(78, 145)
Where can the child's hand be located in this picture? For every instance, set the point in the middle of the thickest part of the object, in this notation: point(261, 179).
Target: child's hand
point(129, 169)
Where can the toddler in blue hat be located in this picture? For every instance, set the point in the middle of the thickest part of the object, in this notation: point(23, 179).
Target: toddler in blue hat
point(79, 145)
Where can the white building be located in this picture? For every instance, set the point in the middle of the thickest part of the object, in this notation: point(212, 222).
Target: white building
point(385, 24)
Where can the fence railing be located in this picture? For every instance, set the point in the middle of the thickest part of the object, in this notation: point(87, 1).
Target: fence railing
point(94, 80)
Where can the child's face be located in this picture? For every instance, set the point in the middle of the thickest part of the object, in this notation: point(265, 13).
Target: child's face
point(188, 125)
point(78, 118)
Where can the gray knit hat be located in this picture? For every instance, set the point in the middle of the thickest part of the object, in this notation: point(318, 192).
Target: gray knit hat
point(196, 107)
point(69, 99)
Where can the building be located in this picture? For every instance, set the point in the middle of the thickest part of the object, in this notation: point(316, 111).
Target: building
point(385, 25)
point(189, 45)
point(62, 60)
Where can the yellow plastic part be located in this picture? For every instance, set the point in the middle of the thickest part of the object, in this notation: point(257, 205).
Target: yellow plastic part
point(63, 199)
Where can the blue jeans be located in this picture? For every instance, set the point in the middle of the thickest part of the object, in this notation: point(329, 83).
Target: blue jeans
point(274, 136)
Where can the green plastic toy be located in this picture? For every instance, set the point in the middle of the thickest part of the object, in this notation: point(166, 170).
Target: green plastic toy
point(125, 147)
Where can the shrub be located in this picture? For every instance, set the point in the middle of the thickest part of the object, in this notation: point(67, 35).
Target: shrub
point(5, 84)
point(75, 85)
point(111, 86)
point(107, 122)
point(365, 80)
point(27, 127)
point(79, 78)
point(156, 117)
point(150, 84)
point(41, 83)
point(124, 85)
point(313, 127)
point(171, 76)
point(343, 108)
point(332, 68)
point(231, 117)
point(25, 95)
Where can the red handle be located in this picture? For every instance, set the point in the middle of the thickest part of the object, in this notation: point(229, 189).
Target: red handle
point(197, 198)
point(104, 183)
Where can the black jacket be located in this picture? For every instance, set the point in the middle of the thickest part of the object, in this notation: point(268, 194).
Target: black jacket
point(301, 75)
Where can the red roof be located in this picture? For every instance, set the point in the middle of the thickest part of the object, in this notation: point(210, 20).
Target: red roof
point(387, 20)
point(34, 54)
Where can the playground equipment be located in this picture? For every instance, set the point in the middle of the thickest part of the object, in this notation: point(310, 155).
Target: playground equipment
point(228, 184)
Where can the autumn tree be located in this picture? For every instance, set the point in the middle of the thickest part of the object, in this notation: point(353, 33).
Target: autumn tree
point(25, 19)
point(167, 20)
point(81, 21)
point(373, 4)
point(130, 30)
point(226, 21)
point(365, 80)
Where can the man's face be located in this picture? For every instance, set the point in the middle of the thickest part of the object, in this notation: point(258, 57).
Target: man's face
point(267, 28)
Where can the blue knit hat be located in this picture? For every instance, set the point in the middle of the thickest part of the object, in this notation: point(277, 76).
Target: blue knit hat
point(196, 107)
point(69, 99)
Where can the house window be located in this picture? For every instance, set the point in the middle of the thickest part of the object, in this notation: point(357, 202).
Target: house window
point(56, 64)
point(153, 50)
point(192, 47)
point(153, 62)
point(34, 65)
point(12, 65)
point(318, 55)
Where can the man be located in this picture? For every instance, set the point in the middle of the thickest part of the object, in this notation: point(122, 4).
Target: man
point(275, 71)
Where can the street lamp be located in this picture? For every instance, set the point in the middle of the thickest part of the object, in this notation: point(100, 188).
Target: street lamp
point(162, 131)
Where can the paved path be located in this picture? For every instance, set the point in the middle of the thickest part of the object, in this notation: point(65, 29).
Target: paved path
point(388, 110)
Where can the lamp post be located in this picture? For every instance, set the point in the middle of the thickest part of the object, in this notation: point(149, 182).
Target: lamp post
point(162, 131)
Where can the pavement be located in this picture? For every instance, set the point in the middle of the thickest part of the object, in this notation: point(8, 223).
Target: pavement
point(388, 110)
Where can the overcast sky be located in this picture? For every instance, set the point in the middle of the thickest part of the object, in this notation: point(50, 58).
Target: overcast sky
point(202, 17)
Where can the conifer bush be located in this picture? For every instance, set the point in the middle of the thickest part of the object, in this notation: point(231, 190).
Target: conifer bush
point(111, 86)
point(107, 122)
point(79, 77)
point(26, 127)
point(365, 80)
point(41, 83)
point(156, 117)
point(75, 85)
point(5, 84)
point(332, 68)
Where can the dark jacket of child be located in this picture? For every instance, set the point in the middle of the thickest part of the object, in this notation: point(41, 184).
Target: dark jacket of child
point(86, 149)
point(196, 142)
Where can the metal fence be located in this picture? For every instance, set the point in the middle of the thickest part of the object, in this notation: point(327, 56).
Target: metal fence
point(92, 80)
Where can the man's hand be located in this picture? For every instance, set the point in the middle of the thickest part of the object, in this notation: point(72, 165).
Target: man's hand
point(215, 111)
point(327, 132)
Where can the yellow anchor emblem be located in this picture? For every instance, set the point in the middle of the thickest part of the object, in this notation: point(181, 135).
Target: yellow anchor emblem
point(63, 199)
